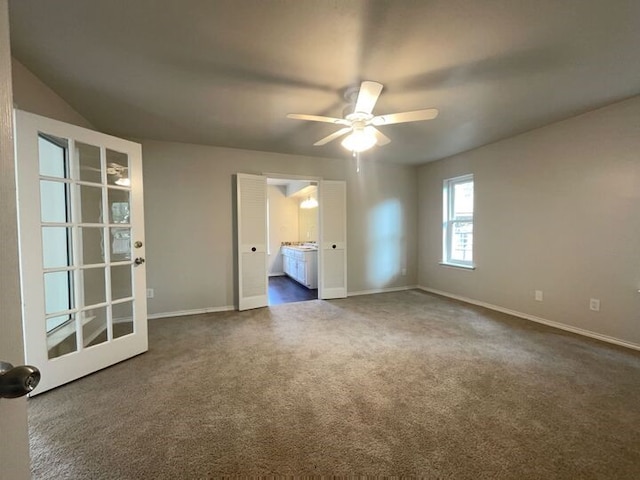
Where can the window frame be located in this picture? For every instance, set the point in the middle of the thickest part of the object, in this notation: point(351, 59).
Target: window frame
point(448, 220)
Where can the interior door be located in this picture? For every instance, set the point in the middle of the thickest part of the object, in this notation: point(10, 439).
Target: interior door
point(333, 234)
point(81, 241)
point(251, 207)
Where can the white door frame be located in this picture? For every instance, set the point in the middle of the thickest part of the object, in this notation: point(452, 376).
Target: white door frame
point(14, 453)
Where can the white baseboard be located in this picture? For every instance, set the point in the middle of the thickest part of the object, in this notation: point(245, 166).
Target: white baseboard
point(196, 311)
point(533, 318)
point(277, 274)
point(381, 290)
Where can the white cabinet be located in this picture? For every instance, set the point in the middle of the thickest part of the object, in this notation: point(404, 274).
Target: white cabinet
point(310, 270)
point(287, 261)
point(301, 265)
point(300, 272)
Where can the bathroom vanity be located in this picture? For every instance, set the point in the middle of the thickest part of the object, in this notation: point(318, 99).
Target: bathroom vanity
point(300, 262)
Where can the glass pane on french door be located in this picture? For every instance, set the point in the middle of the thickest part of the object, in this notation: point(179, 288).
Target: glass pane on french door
point(81, 198)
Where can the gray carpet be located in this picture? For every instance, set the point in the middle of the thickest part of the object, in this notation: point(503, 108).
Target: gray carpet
point(406, 384)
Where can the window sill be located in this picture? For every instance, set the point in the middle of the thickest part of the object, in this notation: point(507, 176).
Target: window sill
point(458, 265)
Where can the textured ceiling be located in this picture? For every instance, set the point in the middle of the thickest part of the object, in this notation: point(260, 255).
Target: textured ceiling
point(227, 72)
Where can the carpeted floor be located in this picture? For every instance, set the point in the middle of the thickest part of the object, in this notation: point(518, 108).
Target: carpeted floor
point(406, 384)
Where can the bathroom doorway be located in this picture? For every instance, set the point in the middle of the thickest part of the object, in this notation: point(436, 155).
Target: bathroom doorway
point(254, 252)
point(292, 232)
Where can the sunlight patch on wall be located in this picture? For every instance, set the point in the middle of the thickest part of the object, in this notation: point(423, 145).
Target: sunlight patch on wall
point(385, 229)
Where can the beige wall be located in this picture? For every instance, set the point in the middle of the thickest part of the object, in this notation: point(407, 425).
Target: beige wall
point(557, 210)
point(31, 95)
point(189, 220)
point(283, 225)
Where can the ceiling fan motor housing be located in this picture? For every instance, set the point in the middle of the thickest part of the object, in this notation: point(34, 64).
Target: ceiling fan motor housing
point(359, 119)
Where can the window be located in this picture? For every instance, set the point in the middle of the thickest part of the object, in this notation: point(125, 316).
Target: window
point(55, 212)
point(457, 223)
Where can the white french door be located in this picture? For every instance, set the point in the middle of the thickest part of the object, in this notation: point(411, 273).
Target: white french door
point(81, 232)
point(252, 241)
point(333, 235)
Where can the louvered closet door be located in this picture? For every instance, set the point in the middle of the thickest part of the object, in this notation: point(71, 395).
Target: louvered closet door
point(333, 212)
point(252, 241)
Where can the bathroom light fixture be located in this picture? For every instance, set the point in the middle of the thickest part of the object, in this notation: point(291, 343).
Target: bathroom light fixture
point(359, 140)
point(309, 203)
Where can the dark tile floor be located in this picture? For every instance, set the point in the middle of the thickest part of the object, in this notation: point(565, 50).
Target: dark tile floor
point(284, 290)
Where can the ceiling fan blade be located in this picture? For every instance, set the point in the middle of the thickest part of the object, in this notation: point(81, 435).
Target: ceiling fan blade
point(333, 136)
point(415, 116)
point(318, 118)
point(368, 96)
point(381, 138)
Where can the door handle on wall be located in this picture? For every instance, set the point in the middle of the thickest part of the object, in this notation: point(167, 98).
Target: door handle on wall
point(17, 381)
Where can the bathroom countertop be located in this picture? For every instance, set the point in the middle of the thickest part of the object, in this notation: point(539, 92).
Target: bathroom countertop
point(302, 248)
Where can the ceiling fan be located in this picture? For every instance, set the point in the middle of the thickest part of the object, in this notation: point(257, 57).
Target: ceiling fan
point(361, 124)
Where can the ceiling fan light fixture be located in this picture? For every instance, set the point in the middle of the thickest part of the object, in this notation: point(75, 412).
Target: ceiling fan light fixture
point(123, 182)
point(359, 141)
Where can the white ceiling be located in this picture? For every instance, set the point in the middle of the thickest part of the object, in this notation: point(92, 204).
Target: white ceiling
point(227, 72)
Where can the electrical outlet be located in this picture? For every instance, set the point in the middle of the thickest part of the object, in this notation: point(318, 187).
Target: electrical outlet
point(538, 295)
point(150, 292)
point(594, 304)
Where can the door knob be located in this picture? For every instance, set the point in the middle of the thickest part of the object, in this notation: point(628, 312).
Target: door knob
point(139, 261)
point(17, 381)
